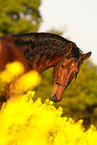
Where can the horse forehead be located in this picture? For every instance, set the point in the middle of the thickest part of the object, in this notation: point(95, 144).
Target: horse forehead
point(67, 61)
point(70, 64)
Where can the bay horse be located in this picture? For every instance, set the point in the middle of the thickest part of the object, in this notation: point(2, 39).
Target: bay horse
point(40, 51)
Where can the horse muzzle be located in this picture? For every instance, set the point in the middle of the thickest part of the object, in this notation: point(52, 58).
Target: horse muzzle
point(55, 98)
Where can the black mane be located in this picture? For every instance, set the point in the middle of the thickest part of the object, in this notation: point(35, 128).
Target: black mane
point(46, 45)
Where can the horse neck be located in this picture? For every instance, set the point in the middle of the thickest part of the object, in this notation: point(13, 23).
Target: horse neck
point(45, 64)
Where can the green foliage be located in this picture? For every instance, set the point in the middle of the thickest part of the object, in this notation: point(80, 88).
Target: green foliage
point(80, 98)
point(19, 16)
point(44, 90)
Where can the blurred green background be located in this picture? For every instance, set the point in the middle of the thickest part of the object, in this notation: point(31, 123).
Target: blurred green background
point(80, 98)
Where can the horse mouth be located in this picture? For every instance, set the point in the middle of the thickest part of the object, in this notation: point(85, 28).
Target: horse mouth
point(55, 98)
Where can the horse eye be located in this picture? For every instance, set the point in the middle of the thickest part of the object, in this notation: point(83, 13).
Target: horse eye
point(62, 66)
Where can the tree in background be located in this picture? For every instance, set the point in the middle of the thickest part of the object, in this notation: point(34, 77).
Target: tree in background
point(19, 16)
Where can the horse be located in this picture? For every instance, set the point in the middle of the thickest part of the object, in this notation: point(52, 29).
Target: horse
point(40, 51)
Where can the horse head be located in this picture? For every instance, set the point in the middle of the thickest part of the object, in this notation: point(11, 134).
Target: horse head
point(63, 74)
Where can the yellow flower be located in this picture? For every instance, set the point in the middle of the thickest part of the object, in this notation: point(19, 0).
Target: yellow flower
point(23, 84)
point(11, 71)
point(25, 122)
point(27, 81)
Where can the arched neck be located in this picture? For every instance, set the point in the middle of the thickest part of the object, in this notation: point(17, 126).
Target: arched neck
point(45, 64)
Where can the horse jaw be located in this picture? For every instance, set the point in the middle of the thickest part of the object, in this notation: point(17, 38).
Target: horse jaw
point(57, 92)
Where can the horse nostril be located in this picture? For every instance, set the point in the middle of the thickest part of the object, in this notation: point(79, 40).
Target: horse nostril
point(55, 99)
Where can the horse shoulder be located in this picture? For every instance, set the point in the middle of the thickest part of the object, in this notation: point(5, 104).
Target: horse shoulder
point(10, 52)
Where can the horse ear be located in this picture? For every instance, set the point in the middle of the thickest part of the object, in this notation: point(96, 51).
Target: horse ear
point(69, 48)
point(86, 56)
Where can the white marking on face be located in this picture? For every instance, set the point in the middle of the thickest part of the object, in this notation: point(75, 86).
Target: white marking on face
point(73, 64)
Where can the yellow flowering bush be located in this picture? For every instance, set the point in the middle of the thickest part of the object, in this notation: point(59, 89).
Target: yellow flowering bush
point(11, 72)
point(25, 122)
point(23, 84)
point(27, 81)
